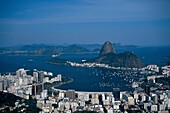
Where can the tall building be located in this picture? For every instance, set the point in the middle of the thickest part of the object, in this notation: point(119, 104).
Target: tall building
point(41, 76)
point(44, 94)
point(35, 75)
point(6, 84)
point(20, 81)
point(30, 89)
point(37, 89)
point(147, 89)
point(70, 94)
point(18, 73)
point(59, 77)
point(1, 86)
point(116, 93)
point(155, 99)
point(21, 72)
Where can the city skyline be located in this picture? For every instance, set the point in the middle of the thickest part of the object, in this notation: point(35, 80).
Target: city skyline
point(142, 23)
point(88, 56)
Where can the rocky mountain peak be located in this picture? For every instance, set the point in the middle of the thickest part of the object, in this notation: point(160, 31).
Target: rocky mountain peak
point(107, 48)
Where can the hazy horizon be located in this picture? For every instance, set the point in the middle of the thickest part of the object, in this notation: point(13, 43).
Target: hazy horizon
point(141, 23)
point(79, 44)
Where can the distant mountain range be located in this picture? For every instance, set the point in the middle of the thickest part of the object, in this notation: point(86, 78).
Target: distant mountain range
point(108, 56)
point(48, 50)
point(45, 50)
point(92, 47)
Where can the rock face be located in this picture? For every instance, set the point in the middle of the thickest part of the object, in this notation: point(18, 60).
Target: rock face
point(126, 59)
point(107, 48)
point(107, 56)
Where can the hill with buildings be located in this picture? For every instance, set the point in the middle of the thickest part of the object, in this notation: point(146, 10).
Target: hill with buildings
point(10, 103)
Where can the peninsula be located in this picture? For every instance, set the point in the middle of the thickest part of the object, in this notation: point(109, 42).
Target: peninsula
point(107, 56)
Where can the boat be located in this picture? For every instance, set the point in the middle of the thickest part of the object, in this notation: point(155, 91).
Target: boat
point(30, 60)
point(128, 85)
point(55, 55)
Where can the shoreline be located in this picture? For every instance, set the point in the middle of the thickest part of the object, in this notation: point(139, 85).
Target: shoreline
point(60, 84)
point(48, 55)
point(65, 64)
point(89, 92)
point(50, 87)
point(85, 66)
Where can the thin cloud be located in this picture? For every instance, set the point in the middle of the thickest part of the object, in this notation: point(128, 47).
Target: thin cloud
point(93, 11)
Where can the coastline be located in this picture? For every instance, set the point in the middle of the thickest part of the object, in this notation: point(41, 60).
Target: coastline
point(60, 84)
point(57, 63)
point(89, 92)
point(57, 85)
point(94, 65)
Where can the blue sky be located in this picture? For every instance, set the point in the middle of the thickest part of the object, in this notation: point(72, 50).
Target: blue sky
point(138, 22)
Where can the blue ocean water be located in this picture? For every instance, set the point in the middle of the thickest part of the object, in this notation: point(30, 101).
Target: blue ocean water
point(86, 79)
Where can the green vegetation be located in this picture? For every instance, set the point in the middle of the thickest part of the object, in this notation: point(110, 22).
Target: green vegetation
point(164, 81)
point(74, 49)
point(167, 63)
point(134, 111)
point(30, 72)
point(32, 106)
point(8, 100)
point(66, 79)
point(54, 93)
point(85, 112)
point(45, 50)
point(56, 84)
point(49, 85)
point(57, 61)
point(126, 59)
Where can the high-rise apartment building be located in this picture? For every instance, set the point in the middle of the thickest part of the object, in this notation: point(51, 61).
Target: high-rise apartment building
point(70, 94)
point(116, 93)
